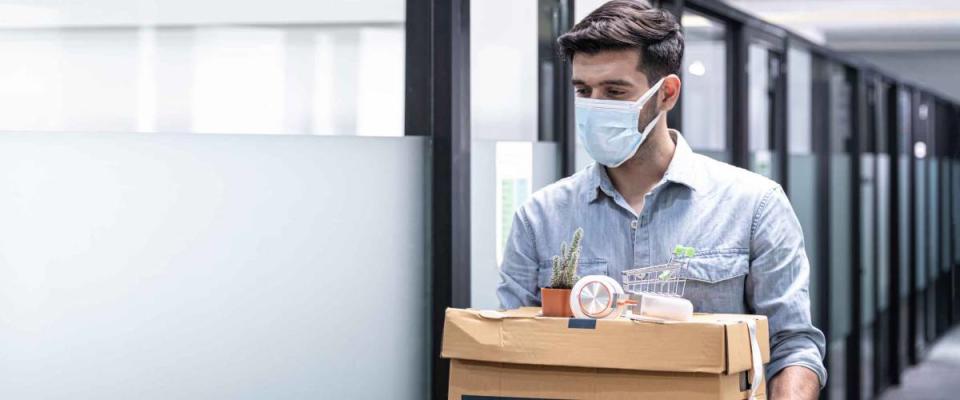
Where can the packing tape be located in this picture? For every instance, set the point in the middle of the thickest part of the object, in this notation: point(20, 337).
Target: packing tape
point(757, 360)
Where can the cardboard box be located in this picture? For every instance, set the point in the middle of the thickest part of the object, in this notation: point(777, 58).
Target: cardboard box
point(516, 354)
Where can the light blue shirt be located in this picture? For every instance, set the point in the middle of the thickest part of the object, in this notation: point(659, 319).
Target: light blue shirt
point(749, 246)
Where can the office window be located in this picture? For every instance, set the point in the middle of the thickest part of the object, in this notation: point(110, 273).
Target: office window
point(803, 166)
point(704, 92)
point(508, 162)
point(287, 67)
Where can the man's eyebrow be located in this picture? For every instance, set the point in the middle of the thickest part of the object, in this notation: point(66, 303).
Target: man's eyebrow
point(609, 82)
point(616, 82)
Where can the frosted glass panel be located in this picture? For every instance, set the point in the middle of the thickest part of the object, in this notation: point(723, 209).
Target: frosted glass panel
point(582, 8)
point(799, 101)
point(210, 67)
point(503, 176)
point(199, 266)
point(868, 227)
point(704, 97)
point(93, 13)
point(884, 241)
point(903, 235)
point(803, 197)
point(759, 98)
point(503, 70)
point(758, 69)
point(932, 211)
point(840, 242)
point(920, 219)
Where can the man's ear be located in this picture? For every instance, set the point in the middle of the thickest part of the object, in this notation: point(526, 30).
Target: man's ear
point(669, 92)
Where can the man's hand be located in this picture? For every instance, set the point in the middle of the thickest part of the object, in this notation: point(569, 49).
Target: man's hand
point(795, 383)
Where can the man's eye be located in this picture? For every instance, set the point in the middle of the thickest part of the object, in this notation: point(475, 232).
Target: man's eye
point(615, 93)
point(582, 91)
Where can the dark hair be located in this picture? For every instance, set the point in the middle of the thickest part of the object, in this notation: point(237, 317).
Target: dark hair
point(629, 24)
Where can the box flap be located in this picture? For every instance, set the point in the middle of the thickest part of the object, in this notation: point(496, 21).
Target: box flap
point(739, 358)
point(520, 337)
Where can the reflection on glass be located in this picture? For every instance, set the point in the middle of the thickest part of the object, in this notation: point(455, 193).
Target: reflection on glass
point(803, 167)
point(503, 70)
point(344, 79)
point(704, 96)
point(799, 102)
point(503, 176)
point(760, 103)
point(507, 163)
point(841, 240)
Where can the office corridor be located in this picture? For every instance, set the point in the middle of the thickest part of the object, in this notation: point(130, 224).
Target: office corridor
point(937, 377)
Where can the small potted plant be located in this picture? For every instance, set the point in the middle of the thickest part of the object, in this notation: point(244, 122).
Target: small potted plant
point(556, 298)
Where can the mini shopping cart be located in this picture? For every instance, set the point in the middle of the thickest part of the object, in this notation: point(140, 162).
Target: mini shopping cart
point(657, 291)
point(661, 280)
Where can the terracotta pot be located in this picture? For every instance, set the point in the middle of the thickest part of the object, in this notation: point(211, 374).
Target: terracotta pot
point(556, 302)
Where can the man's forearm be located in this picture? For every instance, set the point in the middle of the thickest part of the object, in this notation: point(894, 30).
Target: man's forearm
point(795, 383)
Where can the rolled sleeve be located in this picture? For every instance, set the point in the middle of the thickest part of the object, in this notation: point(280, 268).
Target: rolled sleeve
point(778, 287)
point(519, 269)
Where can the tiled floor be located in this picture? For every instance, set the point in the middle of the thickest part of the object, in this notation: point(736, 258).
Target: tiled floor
point(937, 377)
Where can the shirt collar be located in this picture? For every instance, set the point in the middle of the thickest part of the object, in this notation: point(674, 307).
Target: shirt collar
point(680, 170)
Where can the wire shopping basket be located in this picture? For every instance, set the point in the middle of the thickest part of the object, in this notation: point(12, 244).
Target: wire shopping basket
point(663, 279)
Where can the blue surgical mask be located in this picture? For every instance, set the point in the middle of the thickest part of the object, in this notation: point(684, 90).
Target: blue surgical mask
point(609, 129)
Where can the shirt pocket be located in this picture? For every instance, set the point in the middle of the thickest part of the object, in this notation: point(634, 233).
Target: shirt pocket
point(715, 281)
point(588, 266)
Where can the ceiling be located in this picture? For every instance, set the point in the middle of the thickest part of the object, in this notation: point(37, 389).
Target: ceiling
point(866, 25)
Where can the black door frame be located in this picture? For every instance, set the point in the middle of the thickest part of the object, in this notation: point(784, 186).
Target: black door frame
point(858, 114)
point(437, 105)
point(893, 133)
point(555, 119)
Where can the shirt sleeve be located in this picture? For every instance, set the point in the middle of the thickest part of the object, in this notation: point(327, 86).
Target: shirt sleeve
point(519, 269)
point(778, 287)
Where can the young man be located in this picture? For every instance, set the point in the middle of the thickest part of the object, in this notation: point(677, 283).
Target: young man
point(649, 192)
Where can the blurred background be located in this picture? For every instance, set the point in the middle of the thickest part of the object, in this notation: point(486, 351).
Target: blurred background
point(917, 40)
point(218, 199)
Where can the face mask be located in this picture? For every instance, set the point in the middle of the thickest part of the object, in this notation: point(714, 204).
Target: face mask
point(608, 128)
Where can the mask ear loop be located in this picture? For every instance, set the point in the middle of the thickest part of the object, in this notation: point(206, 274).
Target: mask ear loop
point(650, 93)
point(646, 129)
point(654, 90)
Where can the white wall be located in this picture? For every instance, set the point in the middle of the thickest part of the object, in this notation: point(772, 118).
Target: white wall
point(212, 266)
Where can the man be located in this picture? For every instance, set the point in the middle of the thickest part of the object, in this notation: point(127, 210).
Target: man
point(648, 192)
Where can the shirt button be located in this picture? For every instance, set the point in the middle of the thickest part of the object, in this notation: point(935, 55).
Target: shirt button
point(633, 224)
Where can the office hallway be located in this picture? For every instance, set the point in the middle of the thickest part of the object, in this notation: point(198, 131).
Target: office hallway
point(937, 377)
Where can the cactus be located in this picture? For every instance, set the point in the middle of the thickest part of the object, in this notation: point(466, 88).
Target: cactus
point(565, 265)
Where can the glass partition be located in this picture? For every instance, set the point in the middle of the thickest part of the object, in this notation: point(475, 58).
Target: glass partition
point(841, 240)
point(199, 266)
point(508, 163)
point(284, 67)
point(705, 87)
point(868, 239)
point(803, 169)
point(904, 143)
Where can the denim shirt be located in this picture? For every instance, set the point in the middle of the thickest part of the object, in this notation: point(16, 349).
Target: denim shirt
point(749, 246)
